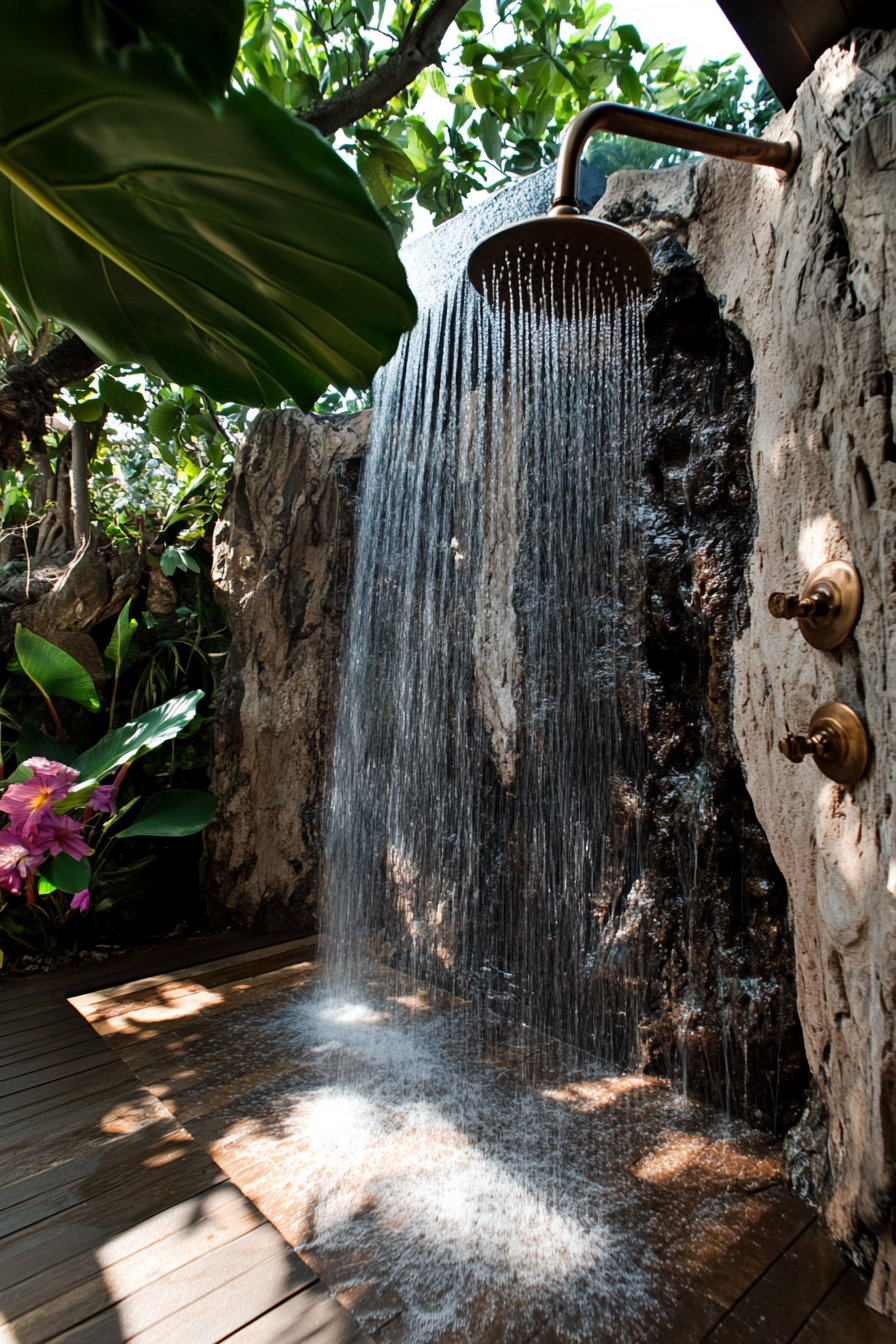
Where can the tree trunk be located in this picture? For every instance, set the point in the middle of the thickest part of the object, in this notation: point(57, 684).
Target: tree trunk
point(80, 492)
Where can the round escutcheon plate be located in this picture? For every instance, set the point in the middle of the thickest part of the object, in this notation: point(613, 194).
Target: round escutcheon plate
point(839, 584)
point(847, 760)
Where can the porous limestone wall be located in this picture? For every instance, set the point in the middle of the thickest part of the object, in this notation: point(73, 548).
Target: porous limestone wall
point(807, 271)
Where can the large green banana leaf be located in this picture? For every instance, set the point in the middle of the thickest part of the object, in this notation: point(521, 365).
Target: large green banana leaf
point(233, 251)
point(204, 33)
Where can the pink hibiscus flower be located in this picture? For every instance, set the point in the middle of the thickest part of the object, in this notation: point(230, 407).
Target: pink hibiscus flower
point(103, 798)
point(29, 803)
point(17, 861)
point(61, 835)
point(52, 772)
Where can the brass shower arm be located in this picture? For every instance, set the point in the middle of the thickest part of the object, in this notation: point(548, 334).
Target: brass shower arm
point(619, 119)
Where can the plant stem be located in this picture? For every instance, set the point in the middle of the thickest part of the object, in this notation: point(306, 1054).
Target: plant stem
point(114, 694)
point(57, 724)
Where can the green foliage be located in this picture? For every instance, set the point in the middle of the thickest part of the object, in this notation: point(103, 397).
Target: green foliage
point(508, 93)
point(173, 812)
point(136, 738)
point(67, 874)
point(204, 34)
point(125, 200)
point(53, 671)
point(118, 651)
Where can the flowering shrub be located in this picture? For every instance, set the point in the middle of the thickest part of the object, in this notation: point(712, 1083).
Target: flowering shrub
point(64, 809)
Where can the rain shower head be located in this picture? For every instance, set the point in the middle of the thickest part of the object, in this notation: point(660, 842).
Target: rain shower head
point(551, 260)
point(548, 260)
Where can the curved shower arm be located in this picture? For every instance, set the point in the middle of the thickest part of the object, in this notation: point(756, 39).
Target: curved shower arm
point(620, 119)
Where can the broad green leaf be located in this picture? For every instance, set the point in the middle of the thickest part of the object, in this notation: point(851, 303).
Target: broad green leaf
point(32, 742)
point(88, 411)
point(629, 85)
point(238, 253)
point(176, 557)
point(137, 737)
point(67, 874)
point(490, 135)
point(117, 648)
point(198, 482)
point(204, 33)
point(45, 887)
point(164, 420)
point(173, 812)
point(126, 402)
point(629, 34)
point(19, 775)
point(53, 671)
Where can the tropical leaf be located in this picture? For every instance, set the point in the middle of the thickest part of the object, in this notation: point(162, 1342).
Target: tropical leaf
point(136, 738)
point(204, 33)
point(67, 874)
point(174, 812)
point(53, 671)
point(124, 401)
point(235, 252)
point(32, 742)
point(164, 420)
point(119, 645)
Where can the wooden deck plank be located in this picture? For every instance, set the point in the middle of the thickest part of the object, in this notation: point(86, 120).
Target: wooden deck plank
point(32, 1063)
point(310, 1317)
point(88, 1224)
point(114, 1223)
point(52, 1308)
point(101, 1245)
point(161, 958)
point(33, 1039)
point(90, 1090)
point(149, 1146)
point(170, 1238)
point(78, 1079)
point(783, 1299)
point(13, 1052)
point(843, 1317)
point(142, 1306)
point(205, 969)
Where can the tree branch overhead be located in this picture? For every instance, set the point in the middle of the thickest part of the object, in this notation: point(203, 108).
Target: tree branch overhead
point(418, 49)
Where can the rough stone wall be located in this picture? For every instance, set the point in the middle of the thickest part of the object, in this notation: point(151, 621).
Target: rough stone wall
point(708, 914)
point(282, 550)
point(807, 271)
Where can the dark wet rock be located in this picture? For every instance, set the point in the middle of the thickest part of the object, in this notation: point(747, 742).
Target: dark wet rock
point(718, 1008)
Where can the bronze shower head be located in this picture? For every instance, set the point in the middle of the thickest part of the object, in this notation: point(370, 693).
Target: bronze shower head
point(548, 261)
point(582, 250)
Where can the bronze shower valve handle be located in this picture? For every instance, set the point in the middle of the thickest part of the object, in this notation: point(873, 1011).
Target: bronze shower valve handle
point(828, 606)
point(796, 747)
point(836, 739)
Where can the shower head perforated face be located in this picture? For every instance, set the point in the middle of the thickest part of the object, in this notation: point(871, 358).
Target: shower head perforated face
point(549, 262)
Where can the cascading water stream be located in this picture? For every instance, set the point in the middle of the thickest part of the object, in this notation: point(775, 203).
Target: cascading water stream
point(483, 810)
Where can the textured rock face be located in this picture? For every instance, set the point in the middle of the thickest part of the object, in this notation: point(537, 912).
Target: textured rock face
point(282, 550)
point(718, 1001)
point(806, 271)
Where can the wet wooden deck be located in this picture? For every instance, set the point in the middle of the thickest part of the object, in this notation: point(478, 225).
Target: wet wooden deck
point(116, 1224)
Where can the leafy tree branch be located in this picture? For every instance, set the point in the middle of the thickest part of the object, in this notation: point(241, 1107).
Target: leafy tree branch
point(419, 48)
